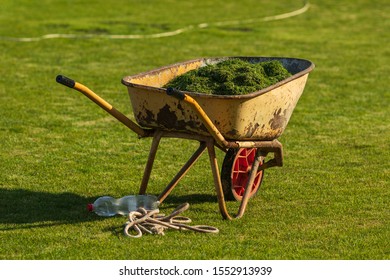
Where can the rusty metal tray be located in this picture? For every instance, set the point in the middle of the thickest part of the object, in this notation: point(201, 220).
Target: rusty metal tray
point(261, 115)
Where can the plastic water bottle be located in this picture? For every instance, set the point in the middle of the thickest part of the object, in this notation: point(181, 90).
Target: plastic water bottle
point(108, 206)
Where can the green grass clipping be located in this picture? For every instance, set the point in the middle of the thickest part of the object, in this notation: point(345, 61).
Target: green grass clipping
point(231, 77)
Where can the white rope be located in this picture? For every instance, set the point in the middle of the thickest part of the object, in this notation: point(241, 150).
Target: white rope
point(143, 221)
point(164, 34)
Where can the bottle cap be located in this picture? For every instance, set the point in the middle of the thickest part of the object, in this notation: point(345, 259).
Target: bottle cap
point(90, 207)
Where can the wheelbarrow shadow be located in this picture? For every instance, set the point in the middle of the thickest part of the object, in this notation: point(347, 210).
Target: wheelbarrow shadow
point(28, 209)
point(19, 207)
point(190, 198)
point(194, 200)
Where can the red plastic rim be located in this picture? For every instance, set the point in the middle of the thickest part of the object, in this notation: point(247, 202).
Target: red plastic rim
point(241, 170)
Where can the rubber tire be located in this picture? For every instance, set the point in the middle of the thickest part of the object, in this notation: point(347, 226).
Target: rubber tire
point(231, 165)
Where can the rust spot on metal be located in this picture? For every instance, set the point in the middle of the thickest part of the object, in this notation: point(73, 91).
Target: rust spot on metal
point(149, 116)
point(179, 107)
point(232, 134)
point(166, 117)
point(250, 129)
point(194, 126)
point(278, 121)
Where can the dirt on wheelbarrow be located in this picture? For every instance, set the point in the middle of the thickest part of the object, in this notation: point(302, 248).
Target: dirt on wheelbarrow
point(231, 77)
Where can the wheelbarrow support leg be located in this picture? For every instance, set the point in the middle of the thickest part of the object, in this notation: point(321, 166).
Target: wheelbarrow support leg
point(252, 176)
point(217, 180)
point(182, 172)
point(218, 184)
point(149, 165)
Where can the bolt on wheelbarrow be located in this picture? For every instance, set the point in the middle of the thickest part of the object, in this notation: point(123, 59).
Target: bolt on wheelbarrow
point(245, 127)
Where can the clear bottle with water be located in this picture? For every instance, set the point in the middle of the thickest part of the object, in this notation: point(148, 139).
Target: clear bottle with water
point(108, 206)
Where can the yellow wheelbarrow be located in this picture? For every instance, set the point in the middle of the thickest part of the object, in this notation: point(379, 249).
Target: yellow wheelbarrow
point(245, 127)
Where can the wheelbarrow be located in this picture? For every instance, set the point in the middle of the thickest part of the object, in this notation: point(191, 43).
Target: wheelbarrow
point(245, 127)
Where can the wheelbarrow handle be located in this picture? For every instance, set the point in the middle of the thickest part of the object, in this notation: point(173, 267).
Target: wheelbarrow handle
point(211, 128)
point(103, 104)
point(176, 93)
point(65, 81)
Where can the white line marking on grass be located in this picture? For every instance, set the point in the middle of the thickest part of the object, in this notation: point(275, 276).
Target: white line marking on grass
point(164, 34)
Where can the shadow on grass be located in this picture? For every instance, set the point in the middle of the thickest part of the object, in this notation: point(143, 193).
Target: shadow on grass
point(24, 208)
point(190, 198)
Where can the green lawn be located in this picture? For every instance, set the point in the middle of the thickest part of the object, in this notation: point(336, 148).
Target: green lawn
point(59, 151)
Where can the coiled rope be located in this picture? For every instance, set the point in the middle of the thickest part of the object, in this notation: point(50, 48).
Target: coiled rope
point(143, 221)
point(163, 34)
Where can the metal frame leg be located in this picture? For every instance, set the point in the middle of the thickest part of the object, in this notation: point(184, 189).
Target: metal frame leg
point(218, 184)
point(149, 165)
point(182, 172)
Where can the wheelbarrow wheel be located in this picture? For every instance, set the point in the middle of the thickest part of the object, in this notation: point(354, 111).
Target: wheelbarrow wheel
point(235, 173)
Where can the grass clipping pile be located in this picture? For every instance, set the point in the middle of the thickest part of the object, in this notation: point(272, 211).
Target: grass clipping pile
point(231, 77)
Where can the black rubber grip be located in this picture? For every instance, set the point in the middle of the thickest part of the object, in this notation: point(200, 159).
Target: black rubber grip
point(65, 81)
point(175, 93)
